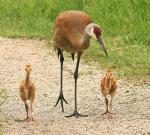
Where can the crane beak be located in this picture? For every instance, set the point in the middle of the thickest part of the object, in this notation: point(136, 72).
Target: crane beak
point(101, 44)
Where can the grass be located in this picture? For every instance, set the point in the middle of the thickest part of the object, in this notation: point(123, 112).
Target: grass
point(0, 129)
point(148, 133)
point(2, 92)
point(125, 25)
point(131, 60)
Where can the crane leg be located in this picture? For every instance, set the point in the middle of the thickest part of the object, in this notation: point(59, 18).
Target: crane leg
point(61, 96)
point(26, 107)
point(110, 103)
point(75, 113)
point(107, 111)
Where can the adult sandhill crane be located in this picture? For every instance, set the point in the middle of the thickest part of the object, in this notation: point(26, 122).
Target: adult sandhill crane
point(108, 87)
point(72, 33)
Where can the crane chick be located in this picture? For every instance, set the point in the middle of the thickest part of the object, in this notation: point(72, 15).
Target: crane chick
point(108, 88)
point(27, 92)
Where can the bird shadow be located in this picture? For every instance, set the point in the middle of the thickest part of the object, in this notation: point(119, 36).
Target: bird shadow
point(18, 120)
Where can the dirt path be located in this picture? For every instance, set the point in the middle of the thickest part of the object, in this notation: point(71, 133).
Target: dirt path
point(131, 104)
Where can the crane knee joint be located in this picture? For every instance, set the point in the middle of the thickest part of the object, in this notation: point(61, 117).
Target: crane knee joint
point(75, 75)
point(61, 59)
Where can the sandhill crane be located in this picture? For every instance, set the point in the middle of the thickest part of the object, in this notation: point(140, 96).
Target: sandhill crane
point(72, 33)
point(108, 87)
point(27, 92)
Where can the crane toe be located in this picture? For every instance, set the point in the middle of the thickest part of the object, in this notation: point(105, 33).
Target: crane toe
point(76, 114)
point(105, 112)
point(61, 99)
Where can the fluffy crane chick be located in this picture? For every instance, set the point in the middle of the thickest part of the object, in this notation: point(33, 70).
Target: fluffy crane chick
point(27, 92)
point(108, 87)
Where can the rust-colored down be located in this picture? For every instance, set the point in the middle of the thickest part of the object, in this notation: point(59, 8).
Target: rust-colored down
point(108, 87)
point(27, 92)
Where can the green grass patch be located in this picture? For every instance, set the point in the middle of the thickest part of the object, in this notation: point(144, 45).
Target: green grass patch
point(24, 18)
point(131, 60)
point(0, 129)
point(2, 92)
point(125, 28)
point(148, 133)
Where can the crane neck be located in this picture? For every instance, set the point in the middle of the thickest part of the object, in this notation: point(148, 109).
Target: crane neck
point(108, 83)
point(27, 78)
point(86, 36)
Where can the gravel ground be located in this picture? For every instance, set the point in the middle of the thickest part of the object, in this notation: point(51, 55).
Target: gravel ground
point(131, 105)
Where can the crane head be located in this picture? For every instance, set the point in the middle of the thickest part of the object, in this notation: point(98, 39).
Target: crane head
point(28, 68)
point(94, 31)
point(109, 74)
point(97, 32)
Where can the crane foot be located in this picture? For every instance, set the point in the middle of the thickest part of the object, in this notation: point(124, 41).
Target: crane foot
point(106, 112)
point(76, 114)
point(61, 98)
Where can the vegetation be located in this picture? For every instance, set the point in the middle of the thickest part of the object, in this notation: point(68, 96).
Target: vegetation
point(1, 128)
point(125, 25)
point(147, 133)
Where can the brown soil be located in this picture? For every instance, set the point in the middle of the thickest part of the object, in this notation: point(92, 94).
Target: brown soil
point(131, 105)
